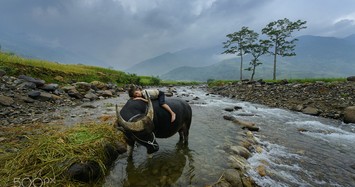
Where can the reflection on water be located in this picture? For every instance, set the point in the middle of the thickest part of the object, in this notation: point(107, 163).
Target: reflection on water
point(199, 164)
point(164, 169)
point(299, 150)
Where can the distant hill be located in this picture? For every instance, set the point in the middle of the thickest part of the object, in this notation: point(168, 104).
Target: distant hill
point(25, 46)
point(317, 57)
point(166, 62)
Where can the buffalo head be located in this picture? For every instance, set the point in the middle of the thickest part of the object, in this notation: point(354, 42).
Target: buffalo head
point(139, 128)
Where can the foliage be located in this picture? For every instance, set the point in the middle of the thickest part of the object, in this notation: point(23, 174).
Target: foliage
point(49, 155)
point(212, 83)
point(278, 32)
point(257, 49)
point(238, 43)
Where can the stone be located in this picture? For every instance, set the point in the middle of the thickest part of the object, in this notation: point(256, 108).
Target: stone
point(85, 172)
point(6, 101)
point(82, 87)
point(38, 82)
point(229, 109)
point(237, 107)
point(232, 176)
point(74, 93)
point(50, 87)
point(169, 94)
point(242, 151)
point(91, 96)
point(297, 108)
point(34, 94)
point(261, 170)
point(349, 114)
point(311, 111)
point(45, 96)
point(27, 85)
point(88, 105)
point(99, 85)
point(105, 93)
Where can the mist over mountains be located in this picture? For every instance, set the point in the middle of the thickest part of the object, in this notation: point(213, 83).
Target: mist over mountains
point(26, 46)
point(316, 57)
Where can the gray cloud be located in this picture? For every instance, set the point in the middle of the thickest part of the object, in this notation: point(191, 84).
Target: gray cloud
point(124, 32)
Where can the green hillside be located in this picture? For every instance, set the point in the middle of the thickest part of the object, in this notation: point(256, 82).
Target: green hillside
point(54, 72)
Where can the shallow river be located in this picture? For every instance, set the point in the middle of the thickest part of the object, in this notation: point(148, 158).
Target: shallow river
point(299, 150)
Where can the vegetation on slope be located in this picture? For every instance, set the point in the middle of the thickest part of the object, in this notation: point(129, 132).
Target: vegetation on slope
point(55, 72)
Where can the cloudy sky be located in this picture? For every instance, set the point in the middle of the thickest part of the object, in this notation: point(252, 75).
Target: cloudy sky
point(124, 32)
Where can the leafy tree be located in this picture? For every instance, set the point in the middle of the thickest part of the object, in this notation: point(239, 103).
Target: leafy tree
point(256, 50)
point(155, 80)
point(238, 42)
point(278, 32)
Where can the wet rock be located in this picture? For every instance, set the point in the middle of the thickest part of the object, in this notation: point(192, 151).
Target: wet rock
point(232, 176)
point(248, 125)
point(311, 111)
point(85, 172)
point(88, 105)
point(6, 101)
point(261, 170)
point(237, 107)
point(229, 109)
point(349, 114)
point(242, 151)
point(297, 108)
point(237, 162)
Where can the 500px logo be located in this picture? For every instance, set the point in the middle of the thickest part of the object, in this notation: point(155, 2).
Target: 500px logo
point(33, 182)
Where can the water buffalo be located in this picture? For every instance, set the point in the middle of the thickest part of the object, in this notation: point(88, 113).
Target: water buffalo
point(144, 123)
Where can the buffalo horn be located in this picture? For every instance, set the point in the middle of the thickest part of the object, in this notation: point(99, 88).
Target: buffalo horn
point(137, 126)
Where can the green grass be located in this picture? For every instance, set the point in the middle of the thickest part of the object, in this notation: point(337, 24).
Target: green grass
point(49, 154)
point(55, 72)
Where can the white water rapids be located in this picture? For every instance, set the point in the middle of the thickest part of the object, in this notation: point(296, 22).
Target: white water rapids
point(298, 149)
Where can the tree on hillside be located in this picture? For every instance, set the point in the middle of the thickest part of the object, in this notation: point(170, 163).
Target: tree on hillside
point(257, 49)
point(278, 33)
point(237, 44)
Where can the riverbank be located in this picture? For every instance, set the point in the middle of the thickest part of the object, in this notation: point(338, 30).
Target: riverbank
point(329, 100)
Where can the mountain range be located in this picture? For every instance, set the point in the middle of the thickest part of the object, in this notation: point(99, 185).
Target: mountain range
point(26, 46)
point(316, 57)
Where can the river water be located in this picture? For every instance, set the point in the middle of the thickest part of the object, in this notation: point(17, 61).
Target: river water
point(298, 149)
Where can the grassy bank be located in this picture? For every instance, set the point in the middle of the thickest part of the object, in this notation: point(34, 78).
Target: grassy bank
point(55, 72)
point(43, 153)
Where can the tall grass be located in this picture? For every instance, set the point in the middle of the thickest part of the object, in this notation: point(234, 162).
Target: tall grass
point(65, 73)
